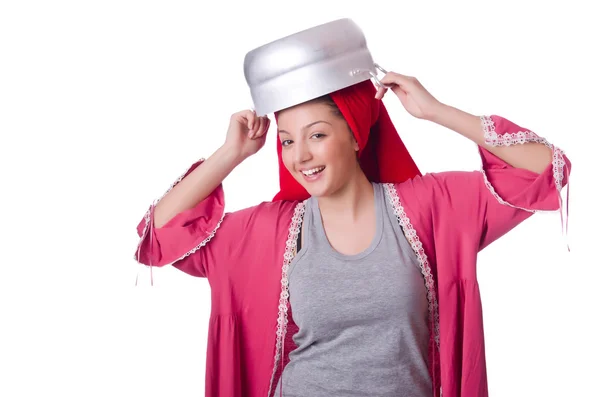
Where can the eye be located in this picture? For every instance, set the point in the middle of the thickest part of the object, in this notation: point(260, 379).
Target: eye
point(286, 142)
point(317, 135)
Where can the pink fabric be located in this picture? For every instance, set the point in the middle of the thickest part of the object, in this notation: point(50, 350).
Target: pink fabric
point(454, 214)
point(188, 229)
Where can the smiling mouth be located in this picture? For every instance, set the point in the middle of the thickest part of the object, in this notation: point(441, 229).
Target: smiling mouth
point(313, 171)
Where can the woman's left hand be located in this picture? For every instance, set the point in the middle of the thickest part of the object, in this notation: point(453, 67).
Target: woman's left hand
point(414, 97)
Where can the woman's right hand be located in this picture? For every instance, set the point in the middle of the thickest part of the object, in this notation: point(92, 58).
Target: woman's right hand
point(247, 133)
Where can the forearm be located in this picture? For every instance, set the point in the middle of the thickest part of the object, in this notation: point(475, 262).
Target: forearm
point(197, 186)
point(532, 156)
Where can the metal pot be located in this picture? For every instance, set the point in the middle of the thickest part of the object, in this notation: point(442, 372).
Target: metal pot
point(307, 65)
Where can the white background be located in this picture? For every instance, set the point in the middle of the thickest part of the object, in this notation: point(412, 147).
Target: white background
point(104, 104)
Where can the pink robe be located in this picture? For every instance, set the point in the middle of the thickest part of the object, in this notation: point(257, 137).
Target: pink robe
point(447, 217)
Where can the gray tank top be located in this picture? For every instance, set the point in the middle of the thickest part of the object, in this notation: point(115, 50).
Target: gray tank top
point(362, 318)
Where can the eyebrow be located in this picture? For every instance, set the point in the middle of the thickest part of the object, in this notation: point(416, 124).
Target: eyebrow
point(306, 126)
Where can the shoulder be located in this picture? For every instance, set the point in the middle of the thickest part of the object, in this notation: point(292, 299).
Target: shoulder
point(436, 183)
point(436, 194)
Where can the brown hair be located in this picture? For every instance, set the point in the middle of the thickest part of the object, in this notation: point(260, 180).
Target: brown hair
point(327, 100)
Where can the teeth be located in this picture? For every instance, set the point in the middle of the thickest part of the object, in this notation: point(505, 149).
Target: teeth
point(313, 171)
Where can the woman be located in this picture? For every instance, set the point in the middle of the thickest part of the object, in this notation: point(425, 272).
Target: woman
point(383, 285)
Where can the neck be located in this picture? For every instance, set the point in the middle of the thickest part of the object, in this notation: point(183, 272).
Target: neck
point(348, 202)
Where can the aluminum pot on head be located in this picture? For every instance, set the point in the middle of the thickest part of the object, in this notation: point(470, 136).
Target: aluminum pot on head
point(307, 65)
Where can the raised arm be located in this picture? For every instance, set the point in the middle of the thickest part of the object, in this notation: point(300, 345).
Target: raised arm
point(473, 209)
point(517, 147)
point(188, 215)
point(246, 135)
point(533, 153)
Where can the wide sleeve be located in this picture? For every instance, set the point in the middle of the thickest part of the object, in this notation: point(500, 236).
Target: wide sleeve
point(189, 232)
point(508, 193)
point(486, 204)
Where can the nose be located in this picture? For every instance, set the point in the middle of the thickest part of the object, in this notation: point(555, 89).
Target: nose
point(301, 152)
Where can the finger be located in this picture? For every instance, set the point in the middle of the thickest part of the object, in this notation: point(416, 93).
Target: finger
point(264, 127)
point(393, 78)
point(251, 118)
point(259, 125)
point(380, 92)
point(243, 114)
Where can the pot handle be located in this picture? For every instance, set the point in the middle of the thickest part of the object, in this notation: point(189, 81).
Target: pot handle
point(373, 75)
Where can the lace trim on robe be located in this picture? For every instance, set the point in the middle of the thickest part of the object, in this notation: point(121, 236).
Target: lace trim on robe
point(282, 316)
point(149, 225)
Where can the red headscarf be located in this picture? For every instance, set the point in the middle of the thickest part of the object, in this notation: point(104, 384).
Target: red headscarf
point(382, 155)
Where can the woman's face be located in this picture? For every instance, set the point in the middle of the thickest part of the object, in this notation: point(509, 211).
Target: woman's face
point(318, 148)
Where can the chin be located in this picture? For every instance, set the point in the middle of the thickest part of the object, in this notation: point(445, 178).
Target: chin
point(317, 192)
point(318, 189)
